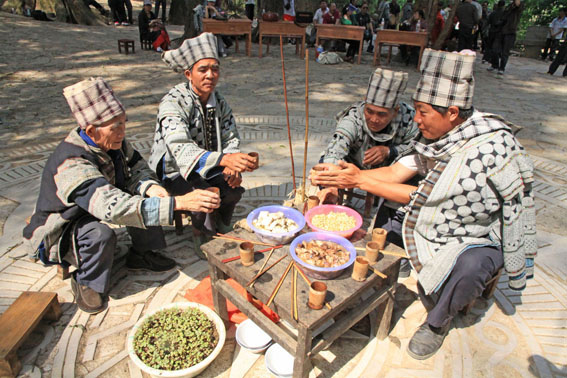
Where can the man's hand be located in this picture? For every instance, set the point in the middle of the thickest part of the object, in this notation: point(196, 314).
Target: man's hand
point(233, 179)
point(198, 200)
point(157, 191)
point(347, 177)
point(238, 162)
point(328, 195)
point(376, 155)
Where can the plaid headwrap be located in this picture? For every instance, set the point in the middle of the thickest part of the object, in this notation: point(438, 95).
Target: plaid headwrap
point(385, 87)
point(446, 79)
point(191, 51)
point(92, 102)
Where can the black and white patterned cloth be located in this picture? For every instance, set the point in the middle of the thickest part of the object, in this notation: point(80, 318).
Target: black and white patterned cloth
point(92, 102)
point(385, 87)
point(191, 51)
point(446, 79)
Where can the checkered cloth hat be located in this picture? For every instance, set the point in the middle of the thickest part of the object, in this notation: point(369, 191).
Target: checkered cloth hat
point(191, 51)
point(446, 79)
point(385, 87)
point(92, 102)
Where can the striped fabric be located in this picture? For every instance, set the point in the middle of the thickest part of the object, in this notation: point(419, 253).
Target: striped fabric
point(385, 87)
point(191, 51)
point(446, 79)
point(92, 102)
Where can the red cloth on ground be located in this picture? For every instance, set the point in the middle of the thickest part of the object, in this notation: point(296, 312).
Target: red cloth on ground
point(203, 294)
point(162, 41)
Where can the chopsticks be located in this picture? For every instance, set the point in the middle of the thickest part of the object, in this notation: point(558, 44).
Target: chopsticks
point(260, 251)
point(294, 294)
point(251, 283)
point(277, 288)
point(302, 274)
point(379, 273)
point(235, 238)
point(253, 280)
point(384, 252)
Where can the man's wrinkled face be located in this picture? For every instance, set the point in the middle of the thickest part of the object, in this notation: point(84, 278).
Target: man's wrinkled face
point(432, 124)
point(377, 118)
point(204, 76)
point(109, 135)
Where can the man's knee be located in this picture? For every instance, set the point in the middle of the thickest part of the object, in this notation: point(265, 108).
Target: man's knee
point(99, 233)
point(231, 195)
point(477, 265)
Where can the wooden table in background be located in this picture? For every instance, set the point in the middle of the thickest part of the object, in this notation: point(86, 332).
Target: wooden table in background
point(285, 29)
point(328, 31)
point(350, 300)
point(230, 27)
point(396, 37)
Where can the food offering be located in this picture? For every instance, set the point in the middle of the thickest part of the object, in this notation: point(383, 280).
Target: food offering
point(338, 220)
point(275, 222)
point(334, 221)
point(323, 254)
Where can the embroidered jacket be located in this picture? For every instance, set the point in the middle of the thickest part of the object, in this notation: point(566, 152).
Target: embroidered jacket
point(80, 179)
point(189, 138)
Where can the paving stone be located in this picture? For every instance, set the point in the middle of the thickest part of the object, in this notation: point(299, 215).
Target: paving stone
point(16, 278)
point(45, 279)
point(559, 332)
point(73, 345)
point(5, 285)
point(107, 365)
point(532, 299)
point(61, 347)
point(38, 267)
point(22, 272)
point(135, 371)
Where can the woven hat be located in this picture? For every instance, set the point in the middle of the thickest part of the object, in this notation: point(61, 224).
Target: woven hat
point(191, 51)
point(446, 79)
point(92, 102)
point(385, 87)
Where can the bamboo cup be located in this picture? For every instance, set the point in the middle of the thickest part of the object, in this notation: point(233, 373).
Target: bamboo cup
point(379, 236)
point(360, 269)
point(317, 294)
point(247, 253)
point(256, 157)
point(213, 189)
point(312, 201)
point(372, 252)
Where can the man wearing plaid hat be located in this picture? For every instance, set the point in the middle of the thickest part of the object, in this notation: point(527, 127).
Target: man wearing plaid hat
point(474, 211)
point(196, 144)
point(95, 175)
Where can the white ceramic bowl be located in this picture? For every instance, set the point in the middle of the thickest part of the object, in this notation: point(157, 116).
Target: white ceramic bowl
point(252, 337)
point(279, 362)
point(193, 370)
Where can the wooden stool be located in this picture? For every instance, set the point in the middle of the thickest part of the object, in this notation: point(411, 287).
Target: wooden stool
point(487, 293)
point(146, 44)
point(62, 270)
point(127, 44)
point(349, 193)
point(19, 321)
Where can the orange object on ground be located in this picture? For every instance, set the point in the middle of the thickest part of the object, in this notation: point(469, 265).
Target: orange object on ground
point(203, 294)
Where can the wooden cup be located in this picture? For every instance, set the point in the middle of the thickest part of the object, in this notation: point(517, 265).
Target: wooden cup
point(317, 294)
point(256, 157)
point(213, 189)
point(379, 236)
point(312, 201)
point(360, 269)
point(317, 169)
point(247, 253)
point(372, 252)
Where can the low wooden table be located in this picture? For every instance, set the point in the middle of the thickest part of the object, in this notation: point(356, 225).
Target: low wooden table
point(126, 44)
point(327, 31)
point(230, 27)
point(344, 295)
point(396, 37)
point(281, 28)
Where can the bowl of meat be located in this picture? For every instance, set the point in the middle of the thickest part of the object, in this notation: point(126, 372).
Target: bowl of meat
point(322, 255)
point(336, 219)
point(275, 224)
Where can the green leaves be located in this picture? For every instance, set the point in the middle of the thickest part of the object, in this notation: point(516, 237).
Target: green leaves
point(175, 339)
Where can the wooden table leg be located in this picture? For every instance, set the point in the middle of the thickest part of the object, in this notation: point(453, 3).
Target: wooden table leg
point(379, 54)
point(236, 41)
point(219, 301)
point(385, 315)
point(260, 46)
point(360, 45)
point(389, 54)
point(420, 55)
point(303, 47)
point(248, 44)
point(301, 364)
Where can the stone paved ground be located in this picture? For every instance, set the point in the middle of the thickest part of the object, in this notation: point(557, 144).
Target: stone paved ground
point(509, 335)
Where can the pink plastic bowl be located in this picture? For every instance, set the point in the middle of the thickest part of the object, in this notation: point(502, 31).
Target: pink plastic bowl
point(325, 209)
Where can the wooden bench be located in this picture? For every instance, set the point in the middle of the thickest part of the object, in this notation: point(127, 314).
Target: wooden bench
point(327, 31)
point(19, 321)
point(396, 37)
point(146, 44)
point(230, 27)
point(346, 195)
point(127, 44)
point(284, 29)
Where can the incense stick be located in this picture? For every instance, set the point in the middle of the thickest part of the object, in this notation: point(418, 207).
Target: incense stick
point(287, 115)
point(294, 294)
point(302, 274)
point(306, 120)
point(277, 288)
point(379, 273)
point(241, 240)
point(253, 280)
point(384, 252)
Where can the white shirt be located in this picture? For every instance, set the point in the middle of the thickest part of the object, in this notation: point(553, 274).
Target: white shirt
point(291, 10)
point(556, 25)
point(318, 17)
point(417, 163)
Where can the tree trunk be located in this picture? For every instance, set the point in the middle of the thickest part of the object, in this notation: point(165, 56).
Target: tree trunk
point(432, 16)
point(80, 13)
point(74, 11)
point(177, 12)
point(447, 27)
point(189, 28)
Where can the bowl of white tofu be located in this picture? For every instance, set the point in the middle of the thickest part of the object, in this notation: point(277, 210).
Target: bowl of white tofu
point(276, 224)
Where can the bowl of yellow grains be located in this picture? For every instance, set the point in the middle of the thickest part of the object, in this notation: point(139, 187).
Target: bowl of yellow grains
point(336, 219)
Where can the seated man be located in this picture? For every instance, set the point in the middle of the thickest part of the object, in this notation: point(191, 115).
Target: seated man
point(95, 175)
point(473, 213)
point(196, 144)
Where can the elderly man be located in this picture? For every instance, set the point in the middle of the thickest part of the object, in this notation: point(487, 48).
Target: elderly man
point(95, 175)
point(196, 144)
point(473, 213)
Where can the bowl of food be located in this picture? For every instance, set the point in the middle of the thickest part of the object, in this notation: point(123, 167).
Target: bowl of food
point(322, 255)
point(336, 219)
point(275, 224)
